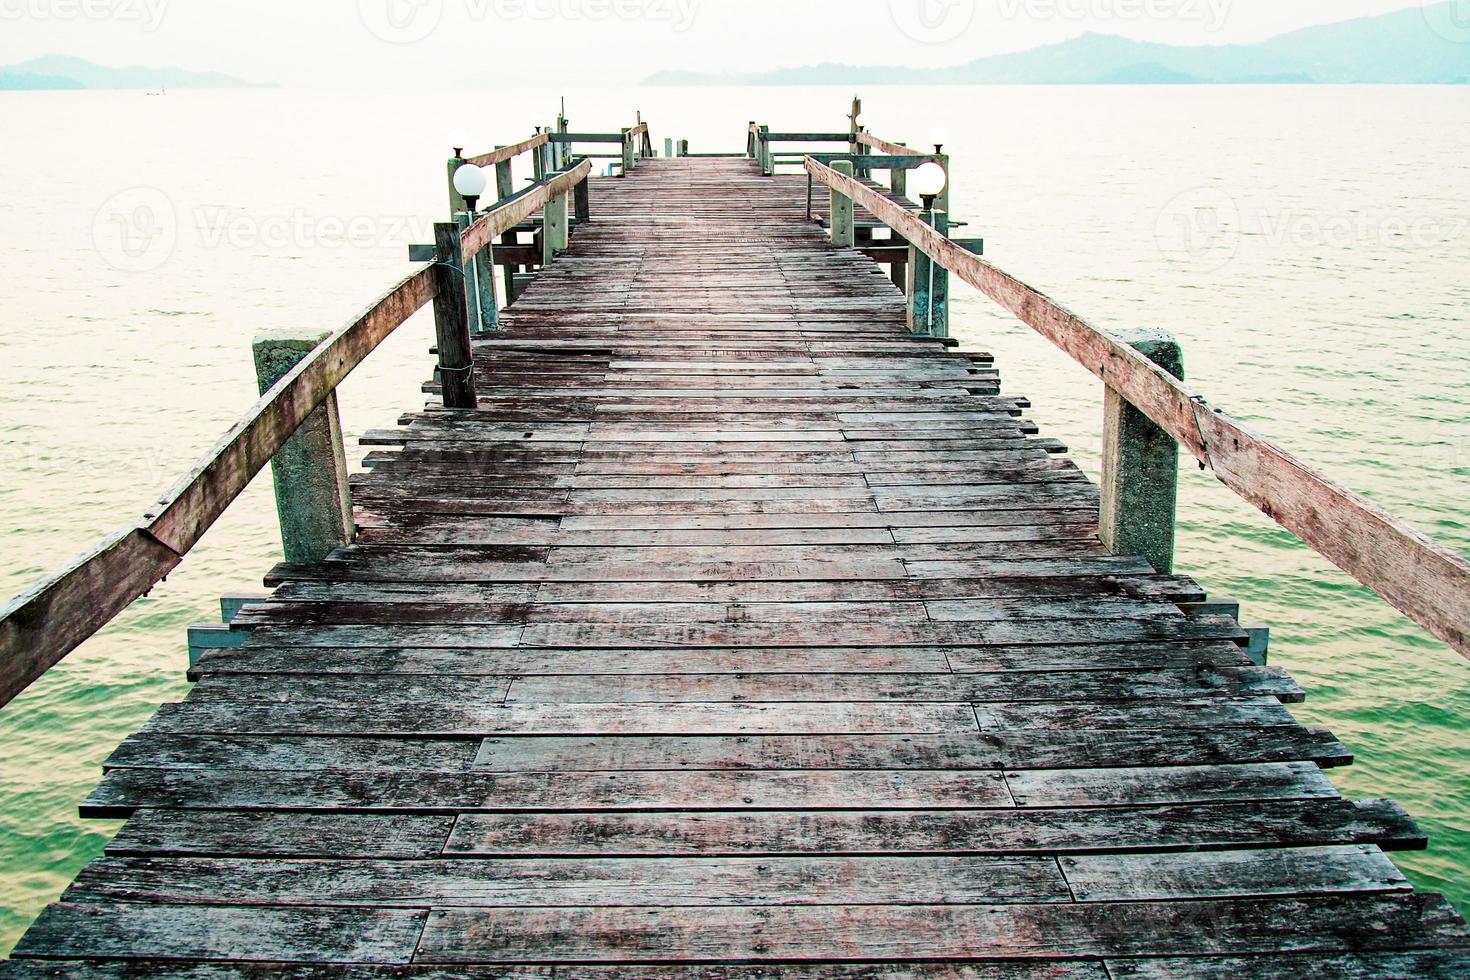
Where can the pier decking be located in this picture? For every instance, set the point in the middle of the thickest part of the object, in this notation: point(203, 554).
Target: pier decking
point(738, 632)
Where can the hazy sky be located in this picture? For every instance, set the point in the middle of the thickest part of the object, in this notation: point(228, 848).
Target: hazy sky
point(427, 42)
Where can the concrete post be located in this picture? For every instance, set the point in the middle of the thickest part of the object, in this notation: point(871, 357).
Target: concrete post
point(939, 285)
point(843, 235)
point(310, 472)
point(1140, 466)
point(921, 271)
point(554, 229)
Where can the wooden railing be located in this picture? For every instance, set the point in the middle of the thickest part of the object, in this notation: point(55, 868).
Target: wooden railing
point(1426, 582)
point(41, 626)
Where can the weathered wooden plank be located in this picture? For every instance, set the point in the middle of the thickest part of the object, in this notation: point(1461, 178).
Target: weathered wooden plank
point(446, 717)
point(388, 836)
point(510, 883)
point(1427, 964)
point(122, 930)
point(124, 790)
point(1038, 747)
point(186, 970)
point(1113, 787)
point(1355, 869)
point(1156, 829)
point(889, 933)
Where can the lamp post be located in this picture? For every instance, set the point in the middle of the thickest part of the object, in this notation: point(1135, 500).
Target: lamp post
point(929, 286)
point(470, 182)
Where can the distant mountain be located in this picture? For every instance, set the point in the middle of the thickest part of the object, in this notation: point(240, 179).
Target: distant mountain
point(1428, 45)
point(56, 71)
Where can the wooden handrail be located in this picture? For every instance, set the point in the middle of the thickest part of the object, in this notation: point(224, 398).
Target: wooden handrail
point(42, 625)
point(883, 146)
point(1425, 581)
point(808, 137)
point(509, 152)
point(512, 211)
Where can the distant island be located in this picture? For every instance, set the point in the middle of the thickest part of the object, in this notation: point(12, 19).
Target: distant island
point(59, 72)
point(1414, 46)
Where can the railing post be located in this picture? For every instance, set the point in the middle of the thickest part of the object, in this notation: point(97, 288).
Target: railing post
point(310, 471)
point(485, 318)
point(627, 151)
point(482, 287)
point(920, 273)
point(451, 319)
point(898, 179)
point(750, 140)
point(843, 235)
point(582, 201)
point(683, 148)
point(554, 228)
point(763, 147)
point(505, 186)
point(1140, 466)
point(939, 285)
point(538, 160)
point(668, 146)
point(456, 202)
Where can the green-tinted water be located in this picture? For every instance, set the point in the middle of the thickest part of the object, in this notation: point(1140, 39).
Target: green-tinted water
point(1308, 246)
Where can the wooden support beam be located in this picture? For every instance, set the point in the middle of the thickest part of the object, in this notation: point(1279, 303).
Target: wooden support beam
point(508, 214)
point(451, 319)
point(43, 624)
point(502, 154)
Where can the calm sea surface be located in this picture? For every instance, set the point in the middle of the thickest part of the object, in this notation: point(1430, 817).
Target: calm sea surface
point(1308, 245)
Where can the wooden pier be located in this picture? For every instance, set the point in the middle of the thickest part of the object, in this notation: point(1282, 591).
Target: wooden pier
point(738, 631)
